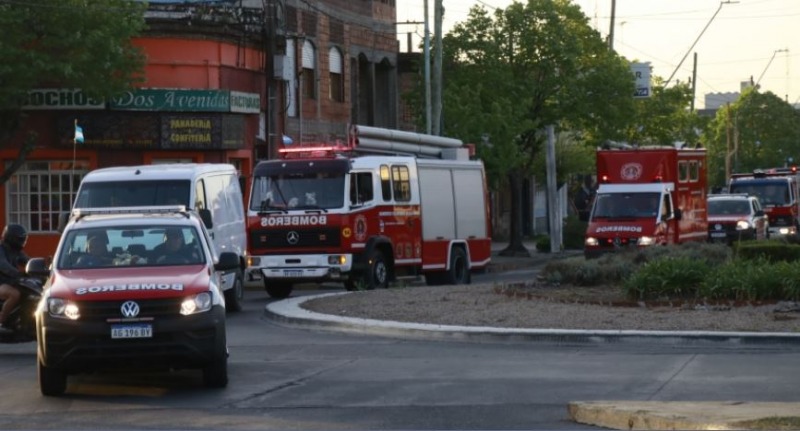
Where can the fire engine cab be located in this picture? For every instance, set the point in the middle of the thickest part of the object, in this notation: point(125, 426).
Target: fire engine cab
point(779, 193)
point(386, 204)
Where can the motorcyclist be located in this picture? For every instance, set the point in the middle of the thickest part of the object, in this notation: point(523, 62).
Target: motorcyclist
point(12, 258)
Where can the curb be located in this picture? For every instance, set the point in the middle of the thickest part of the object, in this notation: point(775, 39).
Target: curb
point(289, 312)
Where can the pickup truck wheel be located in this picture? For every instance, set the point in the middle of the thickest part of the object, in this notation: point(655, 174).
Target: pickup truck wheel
point(459, 268)
point(378, 275)
point(235, 295)
point(215, 374)
point(52, 382)
point(278, 290)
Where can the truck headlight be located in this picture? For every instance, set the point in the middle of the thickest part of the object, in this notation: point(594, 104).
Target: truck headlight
point(196, 304)
point(742, 225)
point(645, 241)
point(591, 242)
point(62, 308)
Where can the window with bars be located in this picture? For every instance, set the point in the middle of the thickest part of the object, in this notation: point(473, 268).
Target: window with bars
point(42, 190)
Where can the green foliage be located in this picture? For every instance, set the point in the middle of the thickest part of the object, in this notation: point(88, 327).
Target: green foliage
point(543, 244)
point(771, 251)
point(69, 44)
point(755, 279)
point(666, 277)
point(574, 233)
point(764, 127)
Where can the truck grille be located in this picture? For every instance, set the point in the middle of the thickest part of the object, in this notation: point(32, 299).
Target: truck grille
point(288, 238)
point(102, 310)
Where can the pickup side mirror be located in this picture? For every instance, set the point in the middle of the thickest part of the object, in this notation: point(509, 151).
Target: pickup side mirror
point(760, 213)
point(678, 214)
point(205, 215)
point(228, 261)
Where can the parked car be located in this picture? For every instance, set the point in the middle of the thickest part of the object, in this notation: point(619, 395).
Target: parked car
point(736, 217)
point(133, 288)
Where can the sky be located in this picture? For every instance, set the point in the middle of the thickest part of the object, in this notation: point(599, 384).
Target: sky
point(734, 42)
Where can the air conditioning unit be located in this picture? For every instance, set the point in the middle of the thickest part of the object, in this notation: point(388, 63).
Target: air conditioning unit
point(281, 68)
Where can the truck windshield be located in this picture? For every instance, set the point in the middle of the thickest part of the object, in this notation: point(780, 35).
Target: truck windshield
point(133, 194)
point(718, 207)
point(626, 205)
point(770, 193)
point(298, 191)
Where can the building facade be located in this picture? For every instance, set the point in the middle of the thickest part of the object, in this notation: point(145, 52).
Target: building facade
point(225, 82)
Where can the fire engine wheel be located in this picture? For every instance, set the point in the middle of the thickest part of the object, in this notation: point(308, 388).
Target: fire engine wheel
point(378, 275)
point(235, 295)
point(278, 290)
point(459, 268)
point(52, 382)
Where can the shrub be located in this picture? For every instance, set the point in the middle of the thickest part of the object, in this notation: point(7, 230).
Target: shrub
point(574, 233)
point(666, 277)
point(543, 244)
point(752, 279)
point(772, 251)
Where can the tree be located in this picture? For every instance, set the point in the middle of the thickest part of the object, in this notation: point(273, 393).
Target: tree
point(528, 66)
point(665, 117)
point(68, 44)
point(758, 131)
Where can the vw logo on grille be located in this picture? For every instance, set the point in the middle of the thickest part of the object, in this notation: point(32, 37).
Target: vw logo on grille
point(129, 309)
point(292, 237)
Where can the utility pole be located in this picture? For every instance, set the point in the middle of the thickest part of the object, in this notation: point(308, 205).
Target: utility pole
point(770, 62)
point(694, 82)
point(698, 38)
point(611, 26)
point(427, 70)
point(436, 116)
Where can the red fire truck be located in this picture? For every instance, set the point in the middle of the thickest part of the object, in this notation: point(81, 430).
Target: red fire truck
point(777, 189)
point(646, 196)
point(363, 215)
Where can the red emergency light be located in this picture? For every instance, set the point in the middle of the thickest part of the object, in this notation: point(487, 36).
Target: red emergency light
point(604, 178)
point(313, 150)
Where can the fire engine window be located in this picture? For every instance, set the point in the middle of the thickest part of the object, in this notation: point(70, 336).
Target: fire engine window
point(694, 170)
point(361, 188)
point(401, 183)
point(683, 171)
point(386, 184)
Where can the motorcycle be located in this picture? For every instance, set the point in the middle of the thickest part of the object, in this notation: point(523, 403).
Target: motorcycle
point(21, 321)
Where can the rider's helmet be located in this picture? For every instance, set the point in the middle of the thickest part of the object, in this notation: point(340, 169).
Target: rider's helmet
point(15, 236)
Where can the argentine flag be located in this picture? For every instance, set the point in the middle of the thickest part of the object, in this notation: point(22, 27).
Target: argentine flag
point(78, 134)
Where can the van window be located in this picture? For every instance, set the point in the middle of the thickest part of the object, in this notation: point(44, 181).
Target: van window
point(133, 193)
point(200, 196)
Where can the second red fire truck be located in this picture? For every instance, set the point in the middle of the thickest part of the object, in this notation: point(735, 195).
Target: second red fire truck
point(333, 213)
point(647, 196)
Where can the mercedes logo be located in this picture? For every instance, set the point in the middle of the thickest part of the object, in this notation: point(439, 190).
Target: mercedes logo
point(129, 309)
point(293, 237)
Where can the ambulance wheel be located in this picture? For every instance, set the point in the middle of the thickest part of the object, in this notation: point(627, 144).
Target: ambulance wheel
point(52, 382)
point(459, 268)
point(378, 275)
point(235, 295)
point(278, 290)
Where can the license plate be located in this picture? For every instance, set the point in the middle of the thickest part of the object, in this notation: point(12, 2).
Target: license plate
point(717, 234)
point(292, 272)
point(132, 331)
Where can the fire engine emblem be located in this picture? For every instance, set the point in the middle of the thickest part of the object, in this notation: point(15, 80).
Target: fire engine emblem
point(346, 232)
point(293, 237)
point(631, 171)
point(129, 309)
point(361, 228)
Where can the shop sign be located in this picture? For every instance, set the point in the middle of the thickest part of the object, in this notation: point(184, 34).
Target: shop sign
point(60, 98)
point(179, 100)
point(109, 130)
point(245, 103)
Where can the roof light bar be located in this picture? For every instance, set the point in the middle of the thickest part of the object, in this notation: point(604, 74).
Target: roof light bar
point(164, 209)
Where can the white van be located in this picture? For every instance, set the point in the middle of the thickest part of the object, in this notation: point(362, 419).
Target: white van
point(211, 189)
